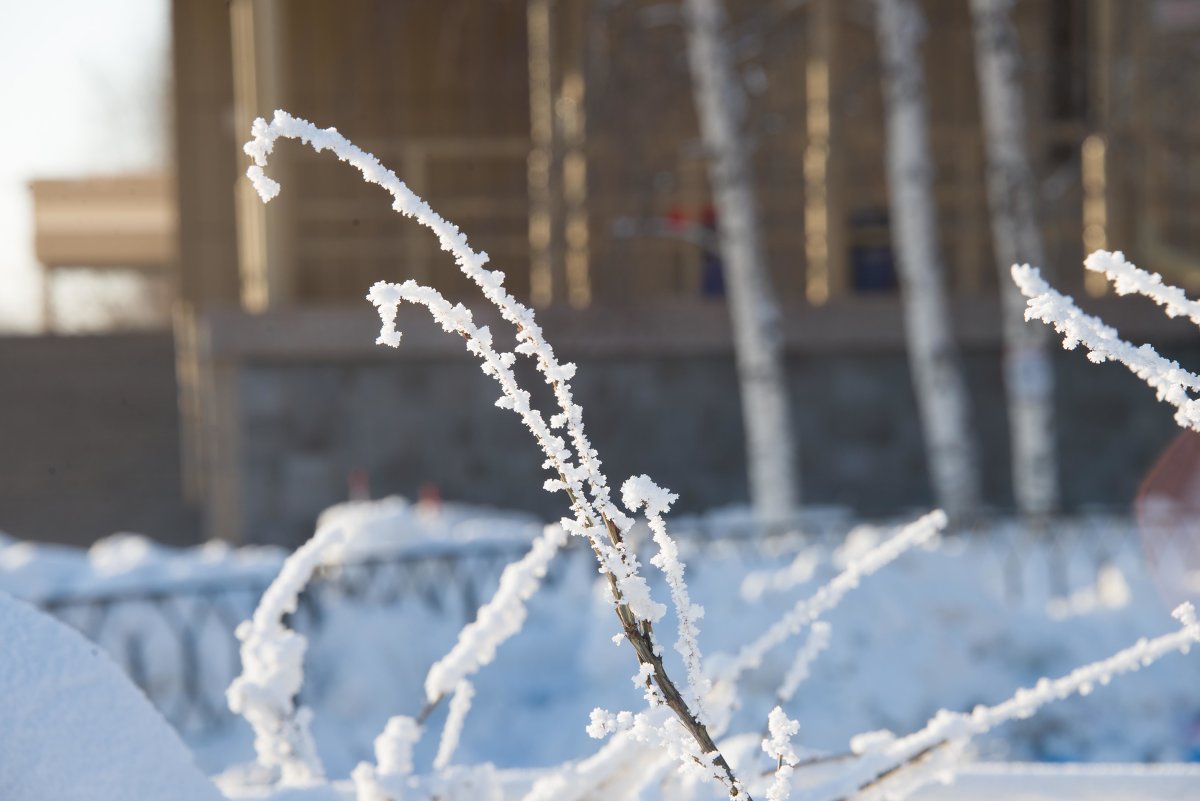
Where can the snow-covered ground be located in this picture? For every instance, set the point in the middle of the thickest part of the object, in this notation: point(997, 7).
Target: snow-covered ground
point(73, 727)
point(952, 627)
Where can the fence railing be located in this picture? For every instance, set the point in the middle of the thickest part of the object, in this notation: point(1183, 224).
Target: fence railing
point(177, 642)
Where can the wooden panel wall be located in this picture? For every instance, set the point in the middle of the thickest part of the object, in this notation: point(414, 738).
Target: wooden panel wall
point(440, 91)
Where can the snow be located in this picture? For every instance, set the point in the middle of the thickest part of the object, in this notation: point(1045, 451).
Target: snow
point(394, 524)
point(74, 728)
point(125, 562)
point(940, 614)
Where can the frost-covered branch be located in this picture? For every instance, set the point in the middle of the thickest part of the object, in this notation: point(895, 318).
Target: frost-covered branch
point(817, 642)
point(778, 746)
point(460, 705)
point(582, 480)
point(619, 769)
point(1129, 279)
point(808, 610)
point(273, 669)
point(1170, 382)
point(640, 491)
point(530, 341)
point(881, 753)
point(801, 570)
point(497, 620)
point(393, 760)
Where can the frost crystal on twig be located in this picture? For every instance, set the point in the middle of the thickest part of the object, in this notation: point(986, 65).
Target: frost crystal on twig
point(460, 704)
point(497, 620)
point(577, 471)
point(881, 753)
point(817, 642)
point(808, 610)
point(1129, 279)
point(638, 492)
point(778, 746)
point(273, 669)
point(1167, 378)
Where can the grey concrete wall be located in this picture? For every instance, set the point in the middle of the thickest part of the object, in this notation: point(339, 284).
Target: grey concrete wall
point(89, 439)
point(89, 432)
point(414, 421)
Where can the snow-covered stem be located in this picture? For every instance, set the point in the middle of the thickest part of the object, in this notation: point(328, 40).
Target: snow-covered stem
point(1170, 382)
point(1016, 237)
point(393, 760)
point(618, 769)
point(629, 588)
point(808, 610)
point(938, 380)
point(497, 620)
point(273, 669)
point(460, 705)
point(631, 596)
point(818, 640)
point(778, 746)
point(799, 571)
point(656, 727)
point(1129, 279)
point(530, 341)
point(638, 492)
point(394, 746)
point(758, 339)
point(881, 754)
point(585, 486)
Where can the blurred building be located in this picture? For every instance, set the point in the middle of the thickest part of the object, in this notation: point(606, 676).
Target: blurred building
point(120, 225)
point(560, 135)
point(88, 407)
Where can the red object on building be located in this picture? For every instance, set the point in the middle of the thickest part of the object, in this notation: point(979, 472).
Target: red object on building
point(1167, 510)
point(429, 497)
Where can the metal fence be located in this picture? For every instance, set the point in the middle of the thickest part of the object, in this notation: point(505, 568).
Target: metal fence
point(178, 645)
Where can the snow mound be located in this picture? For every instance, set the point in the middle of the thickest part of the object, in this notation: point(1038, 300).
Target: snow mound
point(75, 728)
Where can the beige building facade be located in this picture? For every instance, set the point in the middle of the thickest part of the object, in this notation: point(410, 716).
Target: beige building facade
point(559, 134)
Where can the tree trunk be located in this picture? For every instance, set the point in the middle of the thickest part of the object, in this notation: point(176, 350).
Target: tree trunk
point(756, 329)
point(1017, 238)
point(937, 373)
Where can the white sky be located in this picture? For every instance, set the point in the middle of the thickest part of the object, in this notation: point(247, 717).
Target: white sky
point(83, 91)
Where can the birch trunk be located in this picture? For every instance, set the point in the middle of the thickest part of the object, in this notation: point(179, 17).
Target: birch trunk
point(937, 373)
point(1017, 238)
point(757, 338)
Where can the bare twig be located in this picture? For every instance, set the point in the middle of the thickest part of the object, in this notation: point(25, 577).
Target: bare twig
point(916, 759)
